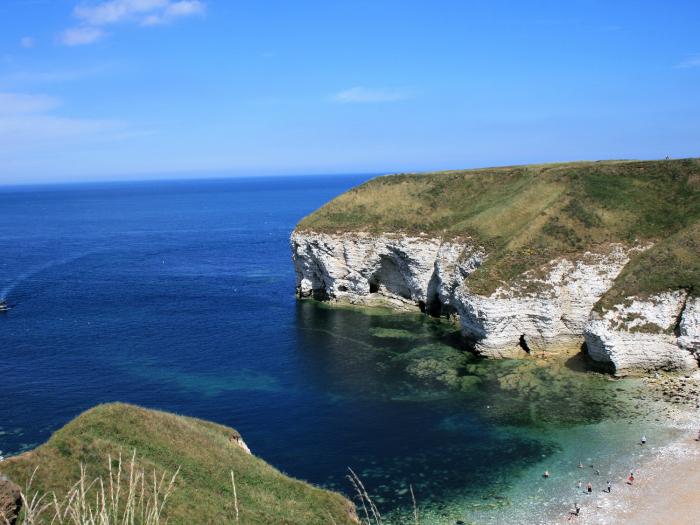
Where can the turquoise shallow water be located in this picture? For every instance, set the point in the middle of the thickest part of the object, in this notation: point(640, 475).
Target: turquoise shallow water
point(540, 415)
point(179, 296)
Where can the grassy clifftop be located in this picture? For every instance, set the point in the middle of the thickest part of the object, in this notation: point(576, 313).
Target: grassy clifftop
point(528, 215)
point(203, 451)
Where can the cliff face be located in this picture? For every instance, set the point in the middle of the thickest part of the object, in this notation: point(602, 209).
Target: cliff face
point(659, 332)
point(528, 258)
point(543, 311)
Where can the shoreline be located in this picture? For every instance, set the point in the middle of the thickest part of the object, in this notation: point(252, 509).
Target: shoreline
point(666, 489)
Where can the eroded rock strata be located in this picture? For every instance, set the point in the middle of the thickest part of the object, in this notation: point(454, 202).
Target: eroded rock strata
point(658, 332)
point(544, 310)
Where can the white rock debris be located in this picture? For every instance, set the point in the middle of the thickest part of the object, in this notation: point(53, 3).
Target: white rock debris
point(546, 310)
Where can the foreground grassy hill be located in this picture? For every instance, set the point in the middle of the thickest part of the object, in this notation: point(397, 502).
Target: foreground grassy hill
point(527, 215)
point(205, 454)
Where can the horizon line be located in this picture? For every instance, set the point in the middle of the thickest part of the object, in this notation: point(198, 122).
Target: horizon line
point(191, 176)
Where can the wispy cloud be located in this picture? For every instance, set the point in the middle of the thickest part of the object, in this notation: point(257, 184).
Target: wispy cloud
point(79, 36)
point(27, 77)
point(23, 104)
point(27, 42)
point(365, 95)
point(114, 11)
point(94, 17)
point(29, 121)
point(689, 61)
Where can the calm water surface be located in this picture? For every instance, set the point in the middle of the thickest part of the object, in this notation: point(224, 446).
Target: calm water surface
point(179, 296)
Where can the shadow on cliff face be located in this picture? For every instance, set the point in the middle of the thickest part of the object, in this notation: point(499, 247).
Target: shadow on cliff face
point(390, 277)
point(582, 362)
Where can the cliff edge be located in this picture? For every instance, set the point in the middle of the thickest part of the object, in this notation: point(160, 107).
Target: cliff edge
point(203, 453)
point(529, 259)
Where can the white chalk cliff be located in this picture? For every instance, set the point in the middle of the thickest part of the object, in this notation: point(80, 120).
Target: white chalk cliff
point(543, 311)
point(658, 332)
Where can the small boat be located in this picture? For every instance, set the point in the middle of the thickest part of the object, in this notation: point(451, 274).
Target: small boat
point(4, 307)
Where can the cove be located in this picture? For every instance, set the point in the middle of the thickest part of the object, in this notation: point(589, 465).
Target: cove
point(180, 296)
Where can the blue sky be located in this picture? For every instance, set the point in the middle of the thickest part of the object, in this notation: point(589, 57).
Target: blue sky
point(93, 90)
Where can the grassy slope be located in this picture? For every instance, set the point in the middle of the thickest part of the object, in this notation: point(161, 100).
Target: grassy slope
point(528, 215)
point(166, 442)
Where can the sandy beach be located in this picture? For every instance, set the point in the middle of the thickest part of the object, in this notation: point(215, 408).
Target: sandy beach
point(666, 491)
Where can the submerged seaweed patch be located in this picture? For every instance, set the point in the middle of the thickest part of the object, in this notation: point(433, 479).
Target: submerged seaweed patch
point(396, 333)
point(414, 357)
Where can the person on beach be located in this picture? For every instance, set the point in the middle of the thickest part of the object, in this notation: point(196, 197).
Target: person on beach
point(609, 487)
point(580, 463)
point(643, 441)
point(589, 488)
point(698, 438)
point(546, 474)
point(630, 478)
point(579, 484)
point(574, 513)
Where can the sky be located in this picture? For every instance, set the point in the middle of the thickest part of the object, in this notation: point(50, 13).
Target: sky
point(129, 89)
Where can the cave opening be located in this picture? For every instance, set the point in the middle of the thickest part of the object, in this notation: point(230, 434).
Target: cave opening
point(390, 278)
point(320, 294)
point(342, 288)
point(523, 344)
point(434, 308)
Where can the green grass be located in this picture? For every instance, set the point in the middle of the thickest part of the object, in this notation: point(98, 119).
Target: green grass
point(672, 264)
point(527, 215)
point(203, 452)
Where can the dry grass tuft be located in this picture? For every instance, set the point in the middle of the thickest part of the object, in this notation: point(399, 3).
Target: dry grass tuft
point(370, 512)
point(204, 454)
point(129, 497)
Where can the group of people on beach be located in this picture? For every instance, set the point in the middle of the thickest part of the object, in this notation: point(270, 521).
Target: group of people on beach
point(589, 486)
point(608, 486)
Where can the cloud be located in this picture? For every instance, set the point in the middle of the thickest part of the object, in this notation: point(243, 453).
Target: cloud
point(79, 36)
point(29, 122)
point(689, 61)
point(94, 17)
point(25, 104)
point(114, 11)
point(174, 10)
point(24, 78)
point(364, 95)
point(27, 42)
point(184, 8)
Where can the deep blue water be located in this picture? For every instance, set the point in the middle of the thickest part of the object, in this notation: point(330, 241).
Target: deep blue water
point(180, 296)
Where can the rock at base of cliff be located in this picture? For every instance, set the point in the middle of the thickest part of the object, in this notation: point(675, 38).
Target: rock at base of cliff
point(654, 333)
point(10, 501)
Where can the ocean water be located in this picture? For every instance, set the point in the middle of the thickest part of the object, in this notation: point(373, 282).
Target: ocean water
point(180, 296)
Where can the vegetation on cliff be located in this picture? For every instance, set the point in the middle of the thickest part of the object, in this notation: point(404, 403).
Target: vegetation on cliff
point(526, 216)
point(205, 454)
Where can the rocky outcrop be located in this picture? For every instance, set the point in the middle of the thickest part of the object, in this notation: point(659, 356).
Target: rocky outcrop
point(537, 314)
point(542, 311)
point(10, 501)
point(237, 440)
point(401, 271)
point(659, 332)
point(689, 327)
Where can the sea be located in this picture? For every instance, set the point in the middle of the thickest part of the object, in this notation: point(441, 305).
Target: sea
point(179, 295)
